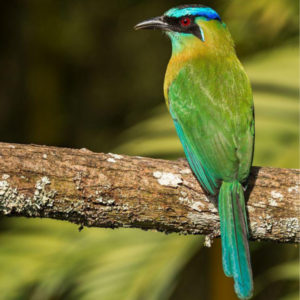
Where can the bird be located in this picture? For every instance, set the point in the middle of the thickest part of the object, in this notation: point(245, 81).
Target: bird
point(209, 97)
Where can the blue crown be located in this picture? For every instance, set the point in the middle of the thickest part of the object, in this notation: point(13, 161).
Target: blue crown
point(193, 10)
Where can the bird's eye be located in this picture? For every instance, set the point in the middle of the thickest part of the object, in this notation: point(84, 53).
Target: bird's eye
point(186, 22)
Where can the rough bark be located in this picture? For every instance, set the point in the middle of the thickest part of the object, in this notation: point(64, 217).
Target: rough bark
point(112, 191)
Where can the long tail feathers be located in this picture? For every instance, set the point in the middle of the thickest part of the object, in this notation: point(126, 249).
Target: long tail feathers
point(234, 236)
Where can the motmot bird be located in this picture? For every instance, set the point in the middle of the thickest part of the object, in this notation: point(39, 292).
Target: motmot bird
point(209, 97)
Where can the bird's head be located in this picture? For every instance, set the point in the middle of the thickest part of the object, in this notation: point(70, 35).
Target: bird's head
point(190, 26)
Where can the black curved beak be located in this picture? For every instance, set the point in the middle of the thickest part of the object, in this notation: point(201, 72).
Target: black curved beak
point(153, 23)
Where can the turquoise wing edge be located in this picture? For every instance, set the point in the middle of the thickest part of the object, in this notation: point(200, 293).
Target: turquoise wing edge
point(208, 182)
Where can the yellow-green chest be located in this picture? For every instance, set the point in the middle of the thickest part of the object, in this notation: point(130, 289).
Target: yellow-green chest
point(189, 51)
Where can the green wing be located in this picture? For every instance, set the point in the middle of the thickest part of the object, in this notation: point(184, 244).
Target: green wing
point(213, 115)
point(210, 183)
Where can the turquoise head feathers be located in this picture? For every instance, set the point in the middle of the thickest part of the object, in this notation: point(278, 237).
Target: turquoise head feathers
point(185, 23)
point(182, 20)
point(193, 10)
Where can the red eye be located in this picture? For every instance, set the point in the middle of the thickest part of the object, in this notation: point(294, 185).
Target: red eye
point(186, 22)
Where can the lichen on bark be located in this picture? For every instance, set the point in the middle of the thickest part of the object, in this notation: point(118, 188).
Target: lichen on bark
point(113, 191)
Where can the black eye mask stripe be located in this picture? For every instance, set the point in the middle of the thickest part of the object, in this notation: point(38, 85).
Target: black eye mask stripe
point(193, 28)
point(175, 25)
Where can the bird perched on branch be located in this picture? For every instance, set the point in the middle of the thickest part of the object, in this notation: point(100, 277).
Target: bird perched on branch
point(210, 100)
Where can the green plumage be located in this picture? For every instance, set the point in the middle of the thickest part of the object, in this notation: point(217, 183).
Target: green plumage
point(210, 100)
point(235, 250)
point(212, 108)
point(213, 105)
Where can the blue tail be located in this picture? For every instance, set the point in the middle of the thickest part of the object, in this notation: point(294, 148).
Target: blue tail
point(234, 236)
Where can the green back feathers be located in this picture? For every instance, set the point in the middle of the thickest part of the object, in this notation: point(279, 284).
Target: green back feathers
point(210, 99)
point(213, 104)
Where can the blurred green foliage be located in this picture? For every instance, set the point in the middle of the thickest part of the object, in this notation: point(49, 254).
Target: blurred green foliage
point(45, 260)
point(74, 73)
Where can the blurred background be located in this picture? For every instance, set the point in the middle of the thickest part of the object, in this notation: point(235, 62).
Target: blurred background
point(76, 74)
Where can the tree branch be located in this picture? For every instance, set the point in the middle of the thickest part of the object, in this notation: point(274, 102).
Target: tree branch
point(112, 191)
